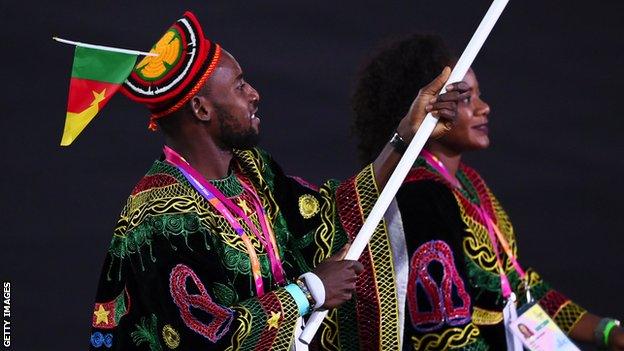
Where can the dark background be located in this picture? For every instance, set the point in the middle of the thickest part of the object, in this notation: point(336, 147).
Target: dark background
point(552, 72)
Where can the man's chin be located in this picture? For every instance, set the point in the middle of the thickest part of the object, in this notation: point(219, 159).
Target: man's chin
point(243, 142)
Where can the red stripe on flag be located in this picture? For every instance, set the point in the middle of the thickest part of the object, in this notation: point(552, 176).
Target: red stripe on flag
point(81, 93)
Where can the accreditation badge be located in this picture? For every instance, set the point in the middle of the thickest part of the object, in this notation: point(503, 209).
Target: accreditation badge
point(538, 332)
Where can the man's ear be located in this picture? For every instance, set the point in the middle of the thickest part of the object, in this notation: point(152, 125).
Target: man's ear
point(202, 108)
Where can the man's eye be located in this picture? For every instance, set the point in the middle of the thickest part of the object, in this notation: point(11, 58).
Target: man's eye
point(241, 86)
point(467, 100)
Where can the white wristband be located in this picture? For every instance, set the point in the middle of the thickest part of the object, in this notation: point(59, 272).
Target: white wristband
point(316, 288)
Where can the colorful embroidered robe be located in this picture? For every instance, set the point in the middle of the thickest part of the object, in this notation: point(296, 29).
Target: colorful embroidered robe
point(453, 295)
point(177, 276)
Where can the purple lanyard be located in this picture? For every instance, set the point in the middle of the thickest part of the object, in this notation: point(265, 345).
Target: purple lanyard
point(494, 233)
point(225, 207)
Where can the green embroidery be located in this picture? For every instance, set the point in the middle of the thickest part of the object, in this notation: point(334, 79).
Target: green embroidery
point(239, 262)
point(144, 235)
point(539, 290)
point(297, 245)
point(230, 186)
point(147, 332)
point(224, 294)
point(484, 280)
point(267, 172)
point(478, 345)
point(164, 167)
point(120, 306)
point(468, 190)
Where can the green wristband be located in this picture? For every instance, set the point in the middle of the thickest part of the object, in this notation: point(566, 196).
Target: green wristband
point(607, 331)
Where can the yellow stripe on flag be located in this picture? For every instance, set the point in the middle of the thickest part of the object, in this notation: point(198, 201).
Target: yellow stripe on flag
point(75, 123)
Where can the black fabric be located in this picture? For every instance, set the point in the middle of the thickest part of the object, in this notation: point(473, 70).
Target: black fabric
point(430, 212)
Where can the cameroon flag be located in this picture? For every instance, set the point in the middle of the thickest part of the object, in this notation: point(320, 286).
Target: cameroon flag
point(96, 76)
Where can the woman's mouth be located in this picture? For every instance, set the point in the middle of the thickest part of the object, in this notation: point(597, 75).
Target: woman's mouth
point(482, 128)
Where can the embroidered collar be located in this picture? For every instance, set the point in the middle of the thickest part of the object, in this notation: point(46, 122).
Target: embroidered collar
point(230, 186)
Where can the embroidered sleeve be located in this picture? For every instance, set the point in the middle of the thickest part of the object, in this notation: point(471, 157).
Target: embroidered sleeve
point(561, 309)
point(162, 288)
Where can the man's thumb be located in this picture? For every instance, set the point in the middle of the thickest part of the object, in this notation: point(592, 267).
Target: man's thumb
point(437, 84)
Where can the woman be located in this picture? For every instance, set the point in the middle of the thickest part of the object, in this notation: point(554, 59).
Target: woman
point(461, 263)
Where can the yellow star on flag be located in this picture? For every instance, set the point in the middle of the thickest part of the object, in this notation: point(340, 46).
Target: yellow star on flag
point(98, 97)
point(76, 122)
point(273, 322)
point(101, 315)
point(243, 204)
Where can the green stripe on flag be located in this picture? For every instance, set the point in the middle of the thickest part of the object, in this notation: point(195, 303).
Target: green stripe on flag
point(101, 65)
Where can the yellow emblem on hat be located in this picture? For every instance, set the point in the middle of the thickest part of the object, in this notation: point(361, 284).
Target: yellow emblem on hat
point(171, 336)
point(308, 206)
point(169, 50)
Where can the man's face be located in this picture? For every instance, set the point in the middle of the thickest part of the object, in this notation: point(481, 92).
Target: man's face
point(234, 103)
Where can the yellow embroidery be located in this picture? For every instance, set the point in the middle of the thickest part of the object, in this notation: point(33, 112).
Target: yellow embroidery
point(168, 49)
point(101, 315)
point(171, 336)
point(450, 338)
point(273, 322)
point(308, 206)
point(568, 316)
point(486, 317)
point(243, 205)
point(383, 267)
point(242, 331)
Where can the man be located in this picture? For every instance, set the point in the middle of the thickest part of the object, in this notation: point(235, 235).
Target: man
point(216, 248)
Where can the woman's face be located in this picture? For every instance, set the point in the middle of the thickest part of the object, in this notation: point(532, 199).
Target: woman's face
point(470, 131)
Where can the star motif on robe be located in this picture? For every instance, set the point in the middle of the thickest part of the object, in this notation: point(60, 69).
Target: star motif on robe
point(273, 322)
point(101, 315)
point(243, 205)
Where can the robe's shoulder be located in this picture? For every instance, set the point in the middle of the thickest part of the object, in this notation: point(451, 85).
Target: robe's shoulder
point(162, 193)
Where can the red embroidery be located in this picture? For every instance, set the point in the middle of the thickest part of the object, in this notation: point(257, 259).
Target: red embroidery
point(552, 302)
point(367, 303)
point(106, 315)
point(305, 183)
point(221, 317)
point(440, 297)
point(153, 181)
point(271, 306)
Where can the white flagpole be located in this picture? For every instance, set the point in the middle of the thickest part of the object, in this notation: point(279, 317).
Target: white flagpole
point(408, 159)
point(105, 48)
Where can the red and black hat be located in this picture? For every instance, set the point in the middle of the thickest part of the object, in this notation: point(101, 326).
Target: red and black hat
point(186, 59)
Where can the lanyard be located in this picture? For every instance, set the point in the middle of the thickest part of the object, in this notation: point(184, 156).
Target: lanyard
point(225, 207)
point(494, 233)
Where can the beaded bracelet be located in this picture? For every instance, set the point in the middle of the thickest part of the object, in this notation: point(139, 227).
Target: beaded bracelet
point(306, 292)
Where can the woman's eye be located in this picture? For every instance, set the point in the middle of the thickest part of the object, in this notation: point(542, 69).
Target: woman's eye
point(466, 100)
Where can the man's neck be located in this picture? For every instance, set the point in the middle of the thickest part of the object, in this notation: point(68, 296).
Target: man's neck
point(449, 158)
point(203, 154)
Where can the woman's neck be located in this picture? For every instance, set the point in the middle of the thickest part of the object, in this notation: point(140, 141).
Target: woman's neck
point(449, 158)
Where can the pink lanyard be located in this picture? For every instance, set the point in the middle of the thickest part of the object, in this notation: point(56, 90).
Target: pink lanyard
point(225, 207)
point(494, 233)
